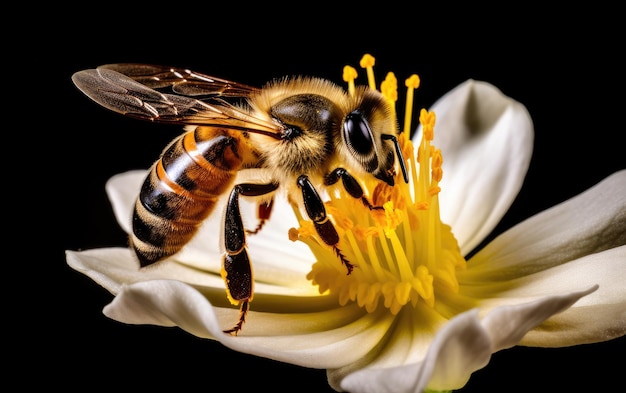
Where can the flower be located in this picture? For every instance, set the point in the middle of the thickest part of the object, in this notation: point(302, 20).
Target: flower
point(414, 314)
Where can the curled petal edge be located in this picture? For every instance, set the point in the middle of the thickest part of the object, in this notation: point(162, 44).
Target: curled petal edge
point(463, 346)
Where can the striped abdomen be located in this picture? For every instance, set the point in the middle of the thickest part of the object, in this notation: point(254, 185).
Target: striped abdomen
point(181, 191)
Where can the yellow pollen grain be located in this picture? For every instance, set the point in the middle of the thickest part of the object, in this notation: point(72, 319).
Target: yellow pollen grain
point(411, 83)
point(349, 75)
point(367, 62)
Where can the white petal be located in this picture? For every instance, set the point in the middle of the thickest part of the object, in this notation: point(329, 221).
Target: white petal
point(461, 347)
point(114, 267)
point(576, 244)
point(271, 246)
point(486, 139)
point(122, 190)
point(597, 317)
point(504, 326)
point(508, 324)
point(328, 338)
point(206, 248)
point(588, 223)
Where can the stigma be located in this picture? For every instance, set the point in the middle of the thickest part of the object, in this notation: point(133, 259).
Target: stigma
point(403, 253)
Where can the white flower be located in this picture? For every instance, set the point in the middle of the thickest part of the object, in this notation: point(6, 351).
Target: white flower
point(414, 314)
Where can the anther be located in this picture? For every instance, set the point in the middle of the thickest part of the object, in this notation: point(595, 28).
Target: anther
point(349, 75)
point(367, 62)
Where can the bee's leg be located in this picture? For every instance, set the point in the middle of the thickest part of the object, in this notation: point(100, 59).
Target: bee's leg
point(264, 213)
point(316, 211)
point(237, 270)
point(350, 185)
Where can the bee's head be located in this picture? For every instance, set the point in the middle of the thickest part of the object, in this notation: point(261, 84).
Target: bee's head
point(366, 131)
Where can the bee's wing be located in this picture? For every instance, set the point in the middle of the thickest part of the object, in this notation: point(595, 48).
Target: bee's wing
point(130, 96)
point(182, 81)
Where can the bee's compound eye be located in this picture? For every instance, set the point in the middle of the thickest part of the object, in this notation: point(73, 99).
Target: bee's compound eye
point(357, 134)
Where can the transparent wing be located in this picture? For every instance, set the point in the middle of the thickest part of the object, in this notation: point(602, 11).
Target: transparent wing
point(133, 94)
point(182, 81)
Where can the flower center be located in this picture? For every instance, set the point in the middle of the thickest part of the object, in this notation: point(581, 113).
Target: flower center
point(403, 253)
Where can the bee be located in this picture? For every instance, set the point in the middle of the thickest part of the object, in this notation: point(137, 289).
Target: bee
point(296, 134)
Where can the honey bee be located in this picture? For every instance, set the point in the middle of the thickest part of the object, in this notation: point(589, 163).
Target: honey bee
point(300, 134)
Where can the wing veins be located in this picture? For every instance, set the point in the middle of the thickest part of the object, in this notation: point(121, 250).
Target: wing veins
point(123, 94)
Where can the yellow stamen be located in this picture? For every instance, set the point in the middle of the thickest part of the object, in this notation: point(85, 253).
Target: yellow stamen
point(367, 62)
point(404, 255)
point(349, 75)
point(411, 83)
point(389, 89)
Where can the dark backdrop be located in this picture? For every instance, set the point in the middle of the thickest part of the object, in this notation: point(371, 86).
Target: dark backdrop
point(569, 76)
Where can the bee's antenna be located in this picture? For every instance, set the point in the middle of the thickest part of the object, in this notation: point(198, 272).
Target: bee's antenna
point(396, 144)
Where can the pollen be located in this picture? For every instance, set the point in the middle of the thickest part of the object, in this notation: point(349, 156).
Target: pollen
point(404, 255)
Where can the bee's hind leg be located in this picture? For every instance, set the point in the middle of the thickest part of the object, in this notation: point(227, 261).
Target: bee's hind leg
point(236, 268)
point(242, 318)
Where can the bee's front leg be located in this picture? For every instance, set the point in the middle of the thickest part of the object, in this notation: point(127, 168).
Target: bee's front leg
point(316, 211)
point(236, 269)
point(350, 184)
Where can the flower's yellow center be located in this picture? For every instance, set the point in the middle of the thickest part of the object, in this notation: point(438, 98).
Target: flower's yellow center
point(403, 253)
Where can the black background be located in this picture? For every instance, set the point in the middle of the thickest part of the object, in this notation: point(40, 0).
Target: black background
point(568, 74)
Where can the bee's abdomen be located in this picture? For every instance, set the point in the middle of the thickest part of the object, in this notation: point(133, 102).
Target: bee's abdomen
point(181, 191)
